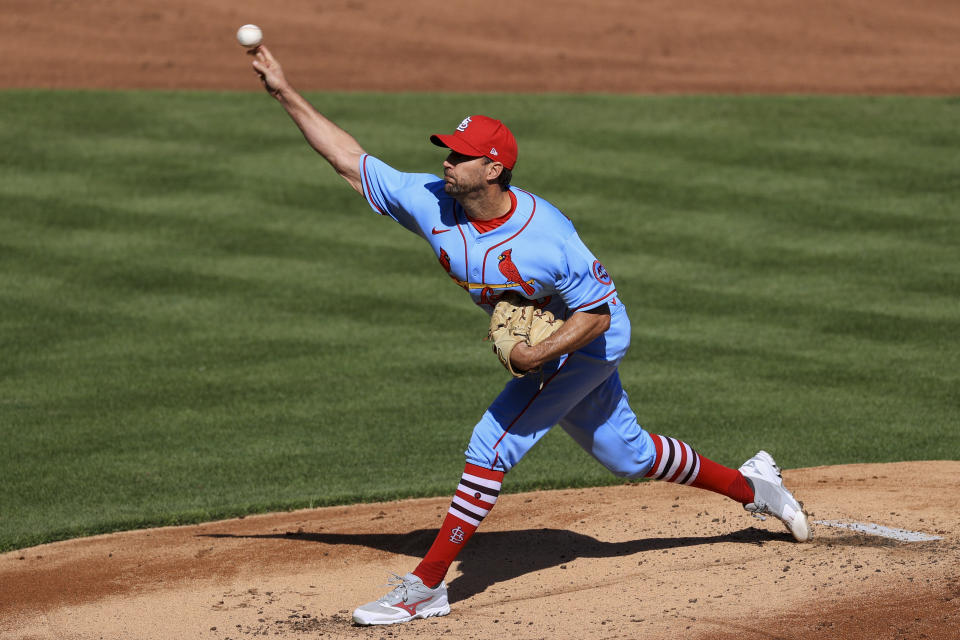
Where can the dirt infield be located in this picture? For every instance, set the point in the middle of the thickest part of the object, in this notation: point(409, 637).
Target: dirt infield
point(640, 561)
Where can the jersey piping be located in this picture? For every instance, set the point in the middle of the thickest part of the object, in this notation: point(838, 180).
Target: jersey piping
point(485, 226)
point(533, 211)
point(364, 184)
point(527, 406)
point(598, 300)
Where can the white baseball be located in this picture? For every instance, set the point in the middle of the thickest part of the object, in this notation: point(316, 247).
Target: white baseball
point(249, 35)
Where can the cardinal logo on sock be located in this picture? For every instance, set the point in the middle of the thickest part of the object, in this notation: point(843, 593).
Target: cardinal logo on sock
point(511, 273)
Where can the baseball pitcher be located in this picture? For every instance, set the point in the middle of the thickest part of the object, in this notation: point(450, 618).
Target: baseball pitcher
point(556, 323)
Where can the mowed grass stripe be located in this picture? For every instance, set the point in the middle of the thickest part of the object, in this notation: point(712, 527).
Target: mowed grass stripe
point(200, 320)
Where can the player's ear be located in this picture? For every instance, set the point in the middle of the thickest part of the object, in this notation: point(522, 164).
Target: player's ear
point(494, 169)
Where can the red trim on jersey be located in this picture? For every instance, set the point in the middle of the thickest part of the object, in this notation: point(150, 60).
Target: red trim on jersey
point(365, 184)
point(542, 387)
point(466, 253)
point(587, 304)
point(482, 226)
point(483, 271)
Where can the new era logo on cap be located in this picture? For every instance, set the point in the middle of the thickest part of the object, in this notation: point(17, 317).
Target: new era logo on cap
point(476, 133)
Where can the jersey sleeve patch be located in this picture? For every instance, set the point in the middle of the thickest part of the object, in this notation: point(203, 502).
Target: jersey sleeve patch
point(601, 274)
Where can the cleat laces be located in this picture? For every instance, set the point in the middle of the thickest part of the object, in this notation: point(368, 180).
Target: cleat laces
point(398, 584)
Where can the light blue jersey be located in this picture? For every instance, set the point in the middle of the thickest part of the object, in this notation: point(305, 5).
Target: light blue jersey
point(538, 254)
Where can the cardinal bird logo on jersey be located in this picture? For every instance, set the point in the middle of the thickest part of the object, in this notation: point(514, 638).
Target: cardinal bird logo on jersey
point(444, 259)
point(510, 272)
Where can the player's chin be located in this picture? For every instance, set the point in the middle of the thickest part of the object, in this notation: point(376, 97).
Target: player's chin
point(456, 189)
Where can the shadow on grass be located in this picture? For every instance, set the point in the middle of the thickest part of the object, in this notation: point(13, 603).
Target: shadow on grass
point(499, 556)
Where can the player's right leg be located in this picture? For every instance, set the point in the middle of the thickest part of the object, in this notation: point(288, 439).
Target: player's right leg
point(606, 427)
point(757, 484)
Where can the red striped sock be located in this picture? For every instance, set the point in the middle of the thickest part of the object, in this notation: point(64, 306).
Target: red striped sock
point(678, 462)
point(476, 494)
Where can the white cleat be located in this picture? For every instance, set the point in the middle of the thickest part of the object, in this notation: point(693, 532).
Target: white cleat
point(772, 498)
point(409, 600)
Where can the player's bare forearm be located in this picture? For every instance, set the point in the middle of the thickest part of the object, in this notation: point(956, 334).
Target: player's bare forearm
point(580, 329)
point(337, 146)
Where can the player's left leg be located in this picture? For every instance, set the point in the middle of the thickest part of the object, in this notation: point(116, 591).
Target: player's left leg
point(606, 427)
point(475, 496)
point(521, 415)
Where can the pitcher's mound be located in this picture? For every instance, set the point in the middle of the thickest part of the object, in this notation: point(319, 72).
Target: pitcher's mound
point(645, 560)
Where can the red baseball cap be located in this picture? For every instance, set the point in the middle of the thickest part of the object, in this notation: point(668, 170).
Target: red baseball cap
point(481, 136)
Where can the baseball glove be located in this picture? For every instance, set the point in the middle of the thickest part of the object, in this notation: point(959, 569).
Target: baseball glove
point(516, 319)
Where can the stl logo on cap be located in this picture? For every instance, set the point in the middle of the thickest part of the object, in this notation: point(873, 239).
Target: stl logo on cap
point(464, 124)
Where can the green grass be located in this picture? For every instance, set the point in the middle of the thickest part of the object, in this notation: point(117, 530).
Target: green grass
point(199, 320)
